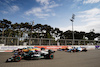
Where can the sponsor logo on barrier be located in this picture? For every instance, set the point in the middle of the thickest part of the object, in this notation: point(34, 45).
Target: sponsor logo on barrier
point(54, 47)
point(51, 47)
point(8, 48)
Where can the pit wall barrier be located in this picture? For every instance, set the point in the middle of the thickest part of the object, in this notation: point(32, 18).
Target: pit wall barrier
point(11, 48)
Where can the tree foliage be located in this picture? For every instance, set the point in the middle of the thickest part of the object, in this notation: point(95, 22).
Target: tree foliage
point(8, 29)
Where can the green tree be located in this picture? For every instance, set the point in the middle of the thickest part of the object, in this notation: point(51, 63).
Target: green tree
point(90, 35)
point(5, 25)
point(68, 34)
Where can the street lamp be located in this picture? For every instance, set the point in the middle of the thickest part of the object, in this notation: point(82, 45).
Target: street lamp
point(72, 20)
point(31, 32)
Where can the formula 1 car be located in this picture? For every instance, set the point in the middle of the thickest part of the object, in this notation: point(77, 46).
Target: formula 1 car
point(78, 49)
point(39, 54)
point(14, 58)
point(72, 50)
point(84, 49)
point(47, 54)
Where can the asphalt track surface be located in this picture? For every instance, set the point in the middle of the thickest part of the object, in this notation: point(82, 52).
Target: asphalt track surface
point(90, 58)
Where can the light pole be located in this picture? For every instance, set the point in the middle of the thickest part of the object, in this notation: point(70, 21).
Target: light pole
point(31, 33)
point(72, 19)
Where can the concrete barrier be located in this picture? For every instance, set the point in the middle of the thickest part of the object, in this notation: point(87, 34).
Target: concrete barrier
point(11, 48)
point(2, 44)
point(88, 47)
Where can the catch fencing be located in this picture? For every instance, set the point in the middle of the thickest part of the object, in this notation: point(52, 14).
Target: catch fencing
point(15, 41)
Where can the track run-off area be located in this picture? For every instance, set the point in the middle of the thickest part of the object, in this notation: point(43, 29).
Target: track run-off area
point(91, 58)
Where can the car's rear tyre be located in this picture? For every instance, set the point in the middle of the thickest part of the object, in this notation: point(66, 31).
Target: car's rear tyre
point(17, 58)
point(51, 56)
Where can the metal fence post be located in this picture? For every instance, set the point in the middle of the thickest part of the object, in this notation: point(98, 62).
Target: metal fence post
point(40, 42)
point(65, 41)
point(49, 41)
point(78, 42)
point(18, 42)
point(29, 41)
point(5, 41)
point(84, 42)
